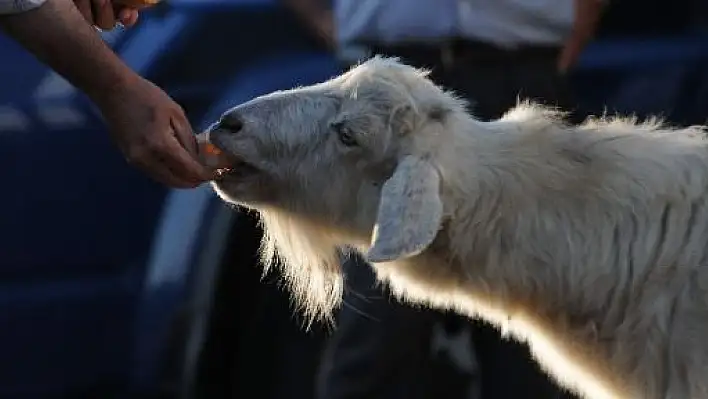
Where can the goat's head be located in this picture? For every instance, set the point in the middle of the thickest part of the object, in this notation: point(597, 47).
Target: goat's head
point(353, 155)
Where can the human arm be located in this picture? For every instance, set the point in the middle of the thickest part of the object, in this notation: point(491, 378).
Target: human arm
point(317, 15)
point(57, 35)
point(586, 18)
point(145, 123)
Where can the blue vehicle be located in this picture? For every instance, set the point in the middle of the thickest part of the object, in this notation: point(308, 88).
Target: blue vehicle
point(106, 279)
point(112, 286)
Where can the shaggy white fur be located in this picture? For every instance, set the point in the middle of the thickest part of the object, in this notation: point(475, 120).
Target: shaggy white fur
point(589, 242)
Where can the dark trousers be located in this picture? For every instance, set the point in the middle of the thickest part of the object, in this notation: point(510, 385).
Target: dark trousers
point(382, 348)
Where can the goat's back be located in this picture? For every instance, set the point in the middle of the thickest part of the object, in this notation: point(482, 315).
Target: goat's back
point(596, 236)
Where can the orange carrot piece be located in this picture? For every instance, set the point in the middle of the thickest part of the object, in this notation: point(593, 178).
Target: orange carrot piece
point(211, 149)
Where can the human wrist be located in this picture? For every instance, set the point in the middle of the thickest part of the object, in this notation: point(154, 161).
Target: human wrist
point(109, 85)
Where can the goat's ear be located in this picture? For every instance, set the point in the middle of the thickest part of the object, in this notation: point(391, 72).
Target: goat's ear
point(410, 212)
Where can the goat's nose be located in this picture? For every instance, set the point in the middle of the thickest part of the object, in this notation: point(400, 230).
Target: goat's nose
point(231, 122)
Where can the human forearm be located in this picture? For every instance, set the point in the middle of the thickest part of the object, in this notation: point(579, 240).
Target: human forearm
point(308, 9)
point(144, 122)
point(58, 35)
point(585, 21)
point(587, 16)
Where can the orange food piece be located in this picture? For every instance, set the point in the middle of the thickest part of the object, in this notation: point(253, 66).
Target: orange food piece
point(211, 149)
point(210, 155)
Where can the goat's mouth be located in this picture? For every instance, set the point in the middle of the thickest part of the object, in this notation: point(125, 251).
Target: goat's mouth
point(224, 162)
point(238, 169)
point(235, 166)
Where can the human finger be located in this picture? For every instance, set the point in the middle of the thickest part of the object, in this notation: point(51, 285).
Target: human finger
point(185, 135)
point(103, 14)
point(163, 174)
point(182, 162)
point(186, 165)
point(127, 16)
point(84, 7)
point(159, 171)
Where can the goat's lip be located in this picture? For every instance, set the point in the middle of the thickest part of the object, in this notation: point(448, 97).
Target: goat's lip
point(230, 164)
point(239, 168)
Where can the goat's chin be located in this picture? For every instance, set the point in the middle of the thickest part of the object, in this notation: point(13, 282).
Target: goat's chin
point(308, 258)
point(249, 192)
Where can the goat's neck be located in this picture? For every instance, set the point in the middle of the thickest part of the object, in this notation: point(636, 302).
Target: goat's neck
point(487, 182)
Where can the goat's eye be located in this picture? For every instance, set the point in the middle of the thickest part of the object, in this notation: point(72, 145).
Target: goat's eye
point(346, 136)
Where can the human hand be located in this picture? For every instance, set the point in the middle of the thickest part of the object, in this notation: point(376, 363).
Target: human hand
point(105, 14)
point(154, 134)
point(318, 17)
point(587, 16)
point(323, 25)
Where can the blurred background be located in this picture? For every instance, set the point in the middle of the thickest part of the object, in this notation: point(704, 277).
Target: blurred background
point(112, 286)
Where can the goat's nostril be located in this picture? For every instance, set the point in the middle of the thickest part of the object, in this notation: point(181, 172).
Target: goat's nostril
point(231, 122)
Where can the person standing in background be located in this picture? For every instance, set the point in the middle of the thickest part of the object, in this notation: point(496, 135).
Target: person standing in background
point(491, 52)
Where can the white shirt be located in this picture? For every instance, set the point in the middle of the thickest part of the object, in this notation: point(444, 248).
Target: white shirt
point(505, 23)
point(18, 6)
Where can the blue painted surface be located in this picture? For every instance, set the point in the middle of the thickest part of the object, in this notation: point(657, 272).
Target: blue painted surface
point(275, 73)
point(95, 260)
point(76, 224)
point(637, 53)
point(663, 76)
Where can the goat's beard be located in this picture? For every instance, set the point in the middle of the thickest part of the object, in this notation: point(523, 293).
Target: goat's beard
point(309, 260)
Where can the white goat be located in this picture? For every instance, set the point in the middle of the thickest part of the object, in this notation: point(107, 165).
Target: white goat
point(589, 242)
